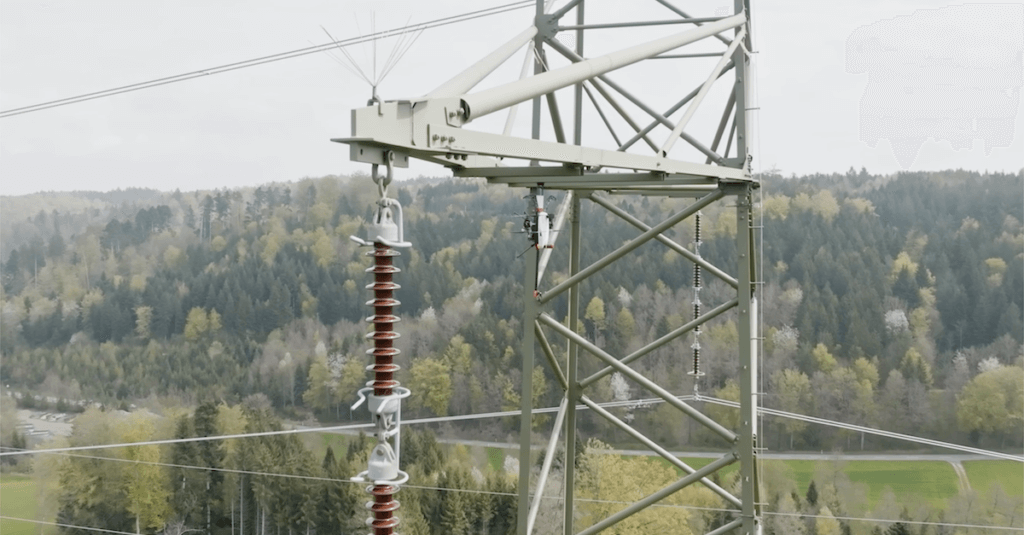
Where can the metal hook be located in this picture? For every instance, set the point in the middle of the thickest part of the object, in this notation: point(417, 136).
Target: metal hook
point(384, 181)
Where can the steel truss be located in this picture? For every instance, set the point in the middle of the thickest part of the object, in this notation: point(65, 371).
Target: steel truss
point(432, 128)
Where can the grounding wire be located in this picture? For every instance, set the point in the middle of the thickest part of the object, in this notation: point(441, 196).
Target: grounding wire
point(264, 59)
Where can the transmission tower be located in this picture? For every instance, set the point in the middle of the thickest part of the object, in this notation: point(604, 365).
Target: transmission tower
point(434, 128)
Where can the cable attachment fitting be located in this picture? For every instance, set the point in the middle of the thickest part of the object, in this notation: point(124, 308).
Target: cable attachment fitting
point(384, 181)
point(386, 225)
point(537, 224)
point(387, 418)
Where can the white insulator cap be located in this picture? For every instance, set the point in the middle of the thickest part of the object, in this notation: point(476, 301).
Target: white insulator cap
point(383, 225)
point(383, 463)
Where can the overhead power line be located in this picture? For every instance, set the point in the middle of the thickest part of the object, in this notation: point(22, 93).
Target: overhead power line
point(493, 493)
point(872, 431)
point(330, 429)
point(464, 17)
point(547, 410)
point(489, 492)
point(69, 526)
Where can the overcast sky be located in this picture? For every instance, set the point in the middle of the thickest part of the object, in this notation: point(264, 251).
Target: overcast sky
point(887, 85)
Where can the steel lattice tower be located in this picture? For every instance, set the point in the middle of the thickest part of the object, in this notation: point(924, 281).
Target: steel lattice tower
point(433, 128)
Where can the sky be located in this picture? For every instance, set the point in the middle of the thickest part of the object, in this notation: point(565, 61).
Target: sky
point(885, 85)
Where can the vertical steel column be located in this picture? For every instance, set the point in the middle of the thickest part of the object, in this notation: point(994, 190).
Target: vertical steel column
point(531, 258)
point(742, 63)
point(571, 370)
point(577, 137)
point(747, 439)
point(538, 67)
point(530, 311)
point(746, 323)
point(572, 350)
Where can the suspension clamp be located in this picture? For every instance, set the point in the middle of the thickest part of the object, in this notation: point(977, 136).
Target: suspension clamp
point(386, 225)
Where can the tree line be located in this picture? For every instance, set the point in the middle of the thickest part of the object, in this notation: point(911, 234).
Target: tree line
point(881, 294)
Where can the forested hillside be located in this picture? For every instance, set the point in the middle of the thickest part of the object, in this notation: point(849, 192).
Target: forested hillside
point(892, 301)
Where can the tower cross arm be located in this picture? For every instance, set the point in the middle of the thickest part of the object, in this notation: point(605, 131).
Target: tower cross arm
point(431, 130)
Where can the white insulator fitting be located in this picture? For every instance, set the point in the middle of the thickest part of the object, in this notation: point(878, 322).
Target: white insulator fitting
point(382, 405)
point(543, 231)
point(383, 463)
point(385, 226)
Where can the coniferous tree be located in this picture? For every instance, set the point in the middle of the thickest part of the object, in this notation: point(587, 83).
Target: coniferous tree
point(812, 494)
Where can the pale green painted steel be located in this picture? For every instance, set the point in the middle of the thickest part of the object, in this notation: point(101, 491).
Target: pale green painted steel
point(748, 363)
point(727, 527)
point(660, 495)
point(530, 311)
point(665, 454)
point(431, 129)
point(526, 397)
point(565, 51)
point(704, 264)
point(549, 354)
point(572, 355)
point(614, 103)
point(726, 115)
point(701, 93)
point(616, 25)
point(683, 14)
point(549, 456)
point(714, 426)
point(660, 342)
point(675, 107)
point(556, 228)
point(469, 78)
point(491, 100)
point(630, 246)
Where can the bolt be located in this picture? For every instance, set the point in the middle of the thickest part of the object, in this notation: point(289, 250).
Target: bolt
point(436, 137)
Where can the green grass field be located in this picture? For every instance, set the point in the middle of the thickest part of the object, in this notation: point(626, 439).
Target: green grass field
point(495, 459)
point(18, 499)
point(318, 443)
point(1009, 474)
point(931, 481)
